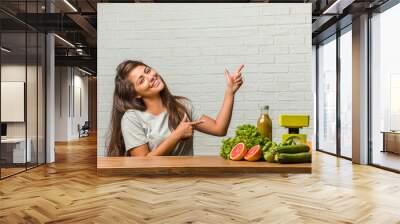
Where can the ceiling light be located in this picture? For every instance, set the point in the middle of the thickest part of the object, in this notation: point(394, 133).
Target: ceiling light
point(70, 5)
point(5, 49)
point(84, 71)
point(64, 40)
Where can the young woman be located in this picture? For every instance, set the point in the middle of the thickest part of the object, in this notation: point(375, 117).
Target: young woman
point(147, 120)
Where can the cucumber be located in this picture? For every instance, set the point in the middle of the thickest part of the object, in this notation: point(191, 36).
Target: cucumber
point(302, 157)
point(292, 148)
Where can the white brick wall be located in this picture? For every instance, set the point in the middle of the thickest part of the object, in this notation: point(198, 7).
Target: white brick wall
point(191, 44)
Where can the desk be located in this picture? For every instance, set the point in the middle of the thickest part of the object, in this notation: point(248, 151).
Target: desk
point(108, 166)
point(391, 141)
point(15, 148)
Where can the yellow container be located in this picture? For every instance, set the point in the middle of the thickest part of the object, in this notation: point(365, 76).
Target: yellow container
point(294, 121)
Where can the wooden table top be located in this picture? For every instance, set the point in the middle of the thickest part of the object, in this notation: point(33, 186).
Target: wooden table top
point(107, 166)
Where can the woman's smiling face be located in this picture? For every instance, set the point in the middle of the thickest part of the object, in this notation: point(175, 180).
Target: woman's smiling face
point(147, 81)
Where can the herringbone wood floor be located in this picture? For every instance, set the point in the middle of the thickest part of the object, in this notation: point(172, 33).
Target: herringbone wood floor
point(69, 191)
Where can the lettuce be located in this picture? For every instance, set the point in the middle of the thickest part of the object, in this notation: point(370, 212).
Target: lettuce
point(247, 134)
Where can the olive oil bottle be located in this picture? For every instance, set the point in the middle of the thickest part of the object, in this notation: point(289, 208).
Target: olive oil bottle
point(264, 123)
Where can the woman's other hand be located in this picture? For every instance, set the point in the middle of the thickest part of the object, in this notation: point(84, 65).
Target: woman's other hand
point(234, 80)
point(185, 128)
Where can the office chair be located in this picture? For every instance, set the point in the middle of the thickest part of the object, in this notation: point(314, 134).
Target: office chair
point(84, 130)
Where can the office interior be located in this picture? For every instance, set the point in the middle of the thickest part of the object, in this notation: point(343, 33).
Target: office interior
point(34, 61)
point(49, 102)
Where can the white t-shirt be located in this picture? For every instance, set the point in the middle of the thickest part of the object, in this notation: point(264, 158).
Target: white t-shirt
point(140, 127)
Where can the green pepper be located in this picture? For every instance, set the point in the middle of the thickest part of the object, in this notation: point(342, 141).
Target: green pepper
point(266, 147)
point(269, 156)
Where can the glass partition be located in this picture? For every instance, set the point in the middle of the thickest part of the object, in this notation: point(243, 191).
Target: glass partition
point(22, 100)
point(31, 97)
point(13, 86)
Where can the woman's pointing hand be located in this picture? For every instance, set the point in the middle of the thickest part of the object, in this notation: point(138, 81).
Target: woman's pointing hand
point(185, 128)
point(234, 80)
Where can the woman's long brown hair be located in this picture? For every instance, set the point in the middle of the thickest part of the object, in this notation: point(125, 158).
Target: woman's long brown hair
point(125, 98)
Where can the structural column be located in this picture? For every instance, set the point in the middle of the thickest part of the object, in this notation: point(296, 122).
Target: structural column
point(360, 90)
point(50, 92)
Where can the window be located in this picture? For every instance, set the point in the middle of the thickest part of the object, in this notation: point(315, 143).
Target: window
point(385, 89)
point(334, 138)
point(346, 93)
point(327, 95)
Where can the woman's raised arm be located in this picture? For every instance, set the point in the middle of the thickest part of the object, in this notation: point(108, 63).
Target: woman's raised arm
point(219, 126)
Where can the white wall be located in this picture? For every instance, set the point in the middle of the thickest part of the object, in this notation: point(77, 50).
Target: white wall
point(33, 127)
point(61, 103)
point(191, 50)
point(79, 117)
point(67, 79)
point(17, 72)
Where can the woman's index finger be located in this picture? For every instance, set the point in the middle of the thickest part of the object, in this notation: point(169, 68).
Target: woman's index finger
point(196, 122)
point(240, 68)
